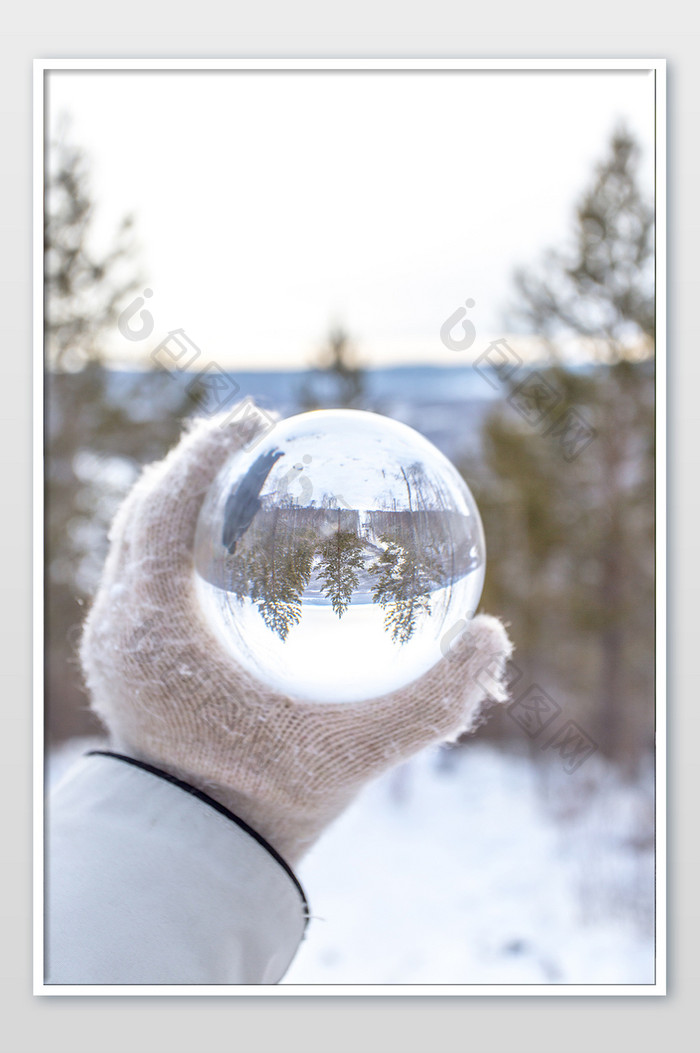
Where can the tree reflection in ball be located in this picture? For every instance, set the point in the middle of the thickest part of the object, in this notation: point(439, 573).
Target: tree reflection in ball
point(333, 557)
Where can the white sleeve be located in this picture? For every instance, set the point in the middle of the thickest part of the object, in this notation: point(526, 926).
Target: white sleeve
point(149, 882)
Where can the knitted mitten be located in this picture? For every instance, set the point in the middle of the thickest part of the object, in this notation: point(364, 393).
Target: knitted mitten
point(171, 694)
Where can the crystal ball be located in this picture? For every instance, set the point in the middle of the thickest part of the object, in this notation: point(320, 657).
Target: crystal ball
point(334, 554)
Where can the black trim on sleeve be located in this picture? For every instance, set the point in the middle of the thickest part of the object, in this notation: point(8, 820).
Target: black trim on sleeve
point(217, 807)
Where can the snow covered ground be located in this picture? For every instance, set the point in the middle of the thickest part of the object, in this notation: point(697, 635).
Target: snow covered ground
point(478, 866)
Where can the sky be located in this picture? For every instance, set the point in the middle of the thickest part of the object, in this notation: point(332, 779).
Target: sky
point(270, 206)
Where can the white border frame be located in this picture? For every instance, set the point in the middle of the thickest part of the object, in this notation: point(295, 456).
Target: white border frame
point(44, 66)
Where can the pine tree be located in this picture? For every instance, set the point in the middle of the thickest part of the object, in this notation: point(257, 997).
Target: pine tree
point(84, 290)
point(338, 379)
point(279, 569)
point(570, 539)
point(404, 581)
point(601, 288)
point(95, 439)
point(340, 561)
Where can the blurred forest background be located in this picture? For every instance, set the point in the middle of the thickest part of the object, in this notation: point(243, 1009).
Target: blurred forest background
point(559, 455)
point(569, 523)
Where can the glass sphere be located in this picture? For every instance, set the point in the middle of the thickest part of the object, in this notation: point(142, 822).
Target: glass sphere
point(334, 555)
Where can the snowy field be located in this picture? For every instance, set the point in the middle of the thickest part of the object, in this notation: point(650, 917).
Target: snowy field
point(477, 866)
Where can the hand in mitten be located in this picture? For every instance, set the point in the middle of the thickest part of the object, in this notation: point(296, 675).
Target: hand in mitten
point(172, 695)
